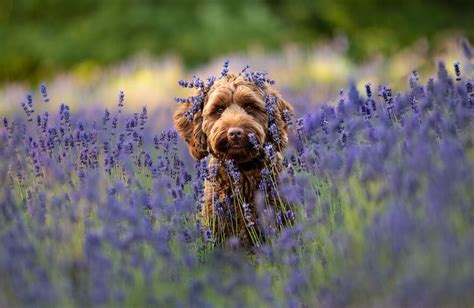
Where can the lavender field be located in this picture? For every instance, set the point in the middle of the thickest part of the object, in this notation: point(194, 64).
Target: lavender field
point(102, 207)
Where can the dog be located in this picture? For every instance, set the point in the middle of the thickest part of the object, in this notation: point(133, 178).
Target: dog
point(243, 127)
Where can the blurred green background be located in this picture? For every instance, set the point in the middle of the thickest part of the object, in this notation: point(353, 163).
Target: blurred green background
point(42, 37)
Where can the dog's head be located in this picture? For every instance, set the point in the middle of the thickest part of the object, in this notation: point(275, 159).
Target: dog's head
point(234, 109)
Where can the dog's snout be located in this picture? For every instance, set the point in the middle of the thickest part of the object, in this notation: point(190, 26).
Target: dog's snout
point(235, 133)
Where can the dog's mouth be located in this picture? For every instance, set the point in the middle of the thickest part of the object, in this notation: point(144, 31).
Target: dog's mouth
point(240, 151)
point(236, 146)
point(225, 146)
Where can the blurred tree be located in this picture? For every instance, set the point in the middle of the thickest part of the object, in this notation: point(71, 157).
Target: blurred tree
point(41, 37)
point(374, 25)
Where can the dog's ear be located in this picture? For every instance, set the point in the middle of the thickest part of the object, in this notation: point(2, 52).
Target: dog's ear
point(284, 115)
point(190, 128)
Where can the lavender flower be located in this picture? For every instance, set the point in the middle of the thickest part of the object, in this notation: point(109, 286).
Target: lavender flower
point(259, 78)
point(213, 172)
point(269, 152)
point(253, 140)
point(115, 211)
point(368, 90)
point(287, 117)
point(248, 215)
point(225, 68)
point(208, 236)
point(457, 71)
point(275, 134)
point(233, 171)
point(270, 104)
point(121, 100)
point(44, 122)
point(143, 118)
point(246, 67)
point(106, 118)
point(44, 93)
point(29, 100)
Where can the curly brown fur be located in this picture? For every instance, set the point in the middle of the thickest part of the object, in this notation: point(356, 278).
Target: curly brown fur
point(233, 104)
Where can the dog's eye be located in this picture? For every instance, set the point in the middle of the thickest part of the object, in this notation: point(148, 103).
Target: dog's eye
point(249, 108)
point(219, 110)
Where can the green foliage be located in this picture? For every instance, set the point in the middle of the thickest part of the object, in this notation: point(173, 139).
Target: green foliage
point(42, 37)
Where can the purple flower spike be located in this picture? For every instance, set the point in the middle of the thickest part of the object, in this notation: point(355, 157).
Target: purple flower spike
point(121, 100)
point(44, 92)
point(225, 68)
point(253, 140)
point(457, 71)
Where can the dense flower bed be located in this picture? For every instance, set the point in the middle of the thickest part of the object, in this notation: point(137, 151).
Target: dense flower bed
point(99, 209)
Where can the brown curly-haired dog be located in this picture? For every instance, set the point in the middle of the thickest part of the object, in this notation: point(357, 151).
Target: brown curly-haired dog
point(232, 109)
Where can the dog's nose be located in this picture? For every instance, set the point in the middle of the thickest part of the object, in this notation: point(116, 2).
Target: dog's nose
point(235, 133)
